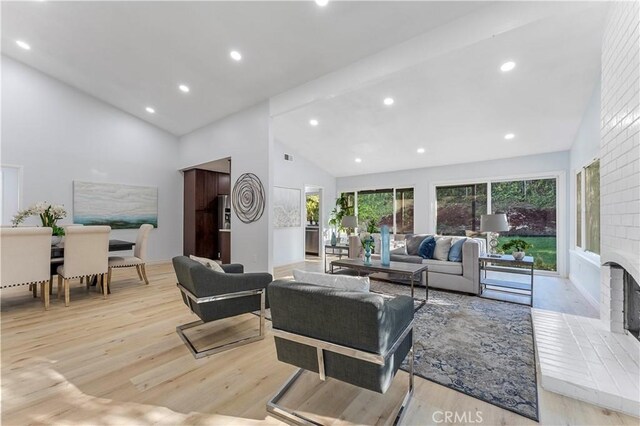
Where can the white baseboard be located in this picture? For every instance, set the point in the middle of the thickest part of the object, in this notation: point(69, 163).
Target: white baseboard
point(593, 302)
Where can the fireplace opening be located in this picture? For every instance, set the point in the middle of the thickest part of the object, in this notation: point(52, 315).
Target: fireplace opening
point(631, 305)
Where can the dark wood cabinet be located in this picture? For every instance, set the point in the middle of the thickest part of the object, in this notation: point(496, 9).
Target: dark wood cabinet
point(201, 235)
point(225, 246)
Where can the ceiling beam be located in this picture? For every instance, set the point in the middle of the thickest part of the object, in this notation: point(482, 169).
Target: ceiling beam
point(487, 22)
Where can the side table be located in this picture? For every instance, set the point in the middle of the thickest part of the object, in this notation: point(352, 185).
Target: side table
point(513, 266)
point(337, 250)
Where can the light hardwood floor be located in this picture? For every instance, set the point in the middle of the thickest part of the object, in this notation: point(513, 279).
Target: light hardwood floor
point(120, 361)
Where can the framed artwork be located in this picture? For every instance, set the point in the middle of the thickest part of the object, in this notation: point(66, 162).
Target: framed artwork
point(287, 207)
point(116, 205)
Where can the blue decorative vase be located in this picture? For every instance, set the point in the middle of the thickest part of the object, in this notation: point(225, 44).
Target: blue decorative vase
point(334, 239)
point(367, 256)
point(385, 255)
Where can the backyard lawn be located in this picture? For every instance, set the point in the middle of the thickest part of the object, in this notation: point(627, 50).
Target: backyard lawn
point(543, 250)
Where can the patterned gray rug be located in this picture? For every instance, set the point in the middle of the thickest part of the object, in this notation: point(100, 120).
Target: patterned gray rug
point(480, 347)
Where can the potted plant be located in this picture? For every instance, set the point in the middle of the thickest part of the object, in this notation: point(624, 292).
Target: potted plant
point(517, 248)
point(49, 216)
point(341, 210)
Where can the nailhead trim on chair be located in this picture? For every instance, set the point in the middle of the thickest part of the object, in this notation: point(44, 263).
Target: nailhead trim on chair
point(18, 285)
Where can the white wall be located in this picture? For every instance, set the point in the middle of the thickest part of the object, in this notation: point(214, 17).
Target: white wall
point(60, 134)
point(245, 137)
point(288, 243)
point(423, 179)
point(584, 272)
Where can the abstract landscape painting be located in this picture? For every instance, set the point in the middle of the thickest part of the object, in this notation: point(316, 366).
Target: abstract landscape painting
point(286, 207)
point(116, 205)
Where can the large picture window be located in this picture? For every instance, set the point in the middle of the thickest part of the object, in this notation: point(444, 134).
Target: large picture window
point(460, 208)
point(588, 208)
point(530, 206)
point(389, 206)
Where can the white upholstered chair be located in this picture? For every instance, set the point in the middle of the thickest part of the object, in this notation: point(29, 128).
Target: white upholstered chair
point(137, 260)
point(86, 252)
point(25, 258)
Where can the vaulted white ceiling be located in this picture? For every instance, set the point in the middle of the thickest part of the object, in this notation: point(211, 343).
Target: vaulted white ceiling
point(458, 106)
point(134, 54)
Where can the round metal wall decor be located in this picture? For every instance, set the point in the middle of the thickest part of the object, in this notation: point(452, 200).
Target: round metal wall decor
point(248, 198)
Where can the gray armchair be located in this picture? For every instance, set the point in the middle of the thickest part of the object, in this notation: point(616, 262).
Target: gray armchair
point(215, 295)
point(355, 337)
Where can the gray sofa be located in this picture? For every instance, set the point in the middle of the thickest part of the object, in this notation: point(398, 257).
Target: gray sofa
point(458, 276)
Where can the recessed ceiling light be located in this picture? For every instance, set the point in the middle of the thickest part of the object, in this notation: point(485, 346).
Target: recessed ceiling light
point(184, 88)
point(420, 150)
point(322, 3)
point(150, 110)
point(313, 122)
point(358, 160)
point(509, 136)
point(235, 55)
point(507, 66)
point(23, 44)
point(388, 101)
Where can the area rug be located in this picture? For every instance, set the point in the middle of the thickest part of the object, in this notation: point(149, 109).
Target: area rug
point(482, 348)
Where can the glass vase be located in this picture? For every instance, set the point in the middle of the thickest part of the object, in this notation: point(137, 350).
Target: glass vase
point(367, 256)
point(385, 255)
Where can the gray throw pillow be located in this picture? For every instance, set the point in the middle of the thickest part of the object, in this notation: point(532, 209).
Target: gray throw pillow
point(443, 245)
point(412, 243)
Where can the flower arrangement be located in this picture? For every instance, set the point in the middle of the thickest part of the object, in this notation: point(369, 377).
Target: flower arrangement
point(49, 215)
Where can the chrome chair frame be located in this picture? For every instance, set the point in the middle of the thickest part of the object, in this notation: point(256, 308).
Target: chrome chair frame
point(191, 298)
point(291, 417)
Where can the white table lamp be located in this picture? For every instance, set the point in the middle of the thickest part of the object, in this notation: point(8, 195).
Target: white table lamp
point(493, 224)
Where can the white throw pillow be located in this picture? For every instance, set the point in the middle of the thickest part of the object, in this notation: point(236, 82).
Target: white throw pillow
point(342, 282)
point(214, 265)
point(443, 245)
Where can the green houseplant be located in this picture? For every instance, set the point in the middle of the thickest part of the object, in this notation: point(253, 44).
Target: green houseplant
point(341, 210)
point(517, 248)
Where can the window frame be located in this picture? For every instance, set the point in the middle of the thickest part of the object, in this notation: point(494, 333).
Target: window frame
point(582, 171)
point(562, 242)
point(382, 188)
point(20, 170)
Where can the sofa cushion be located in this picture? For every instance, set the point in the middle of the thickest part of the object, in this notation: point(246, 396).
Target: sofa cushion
point(412, 243)
point(455, 253)
point(341, 282)
point(405, 258)
point(427, 248)
point(443, 245)
point(444, 267)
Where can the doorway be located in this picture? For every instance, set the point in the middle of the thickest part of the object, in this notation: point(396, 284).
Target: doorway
point(313, 221)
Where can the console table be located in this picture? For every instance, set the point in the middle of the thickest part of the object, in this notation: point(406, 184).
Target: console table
point(506, 264)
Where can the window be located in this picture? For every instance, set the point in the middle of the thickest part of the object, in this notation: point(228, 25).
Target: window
point(530, 206)
point(579, 209)
point(376, 206)
point(588, 208)
point(404, 211)
point(389, 206)
point(10, 193)
point(460, 208)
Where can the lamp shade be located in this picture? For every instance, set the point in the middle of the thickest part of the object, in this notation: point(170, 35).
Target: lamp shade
point(494, 222)
point(349, 222)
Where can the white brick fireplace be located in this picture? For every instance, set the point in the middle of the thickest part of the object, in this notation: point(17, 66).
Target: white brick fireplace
point(619, 160)
point(597, 360)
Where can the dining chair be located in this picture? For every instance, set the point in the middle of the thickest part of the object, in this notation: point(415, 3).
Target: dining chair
point(138, 259)
point(86, 252)
point(25, 256)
